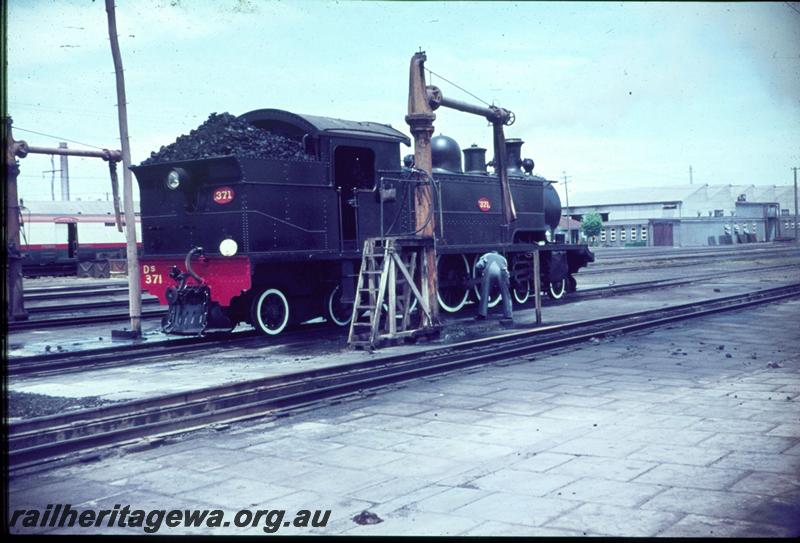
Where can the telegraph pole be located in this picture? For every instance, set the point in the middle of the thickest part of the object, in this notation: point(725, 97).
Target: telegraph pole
point(796, 239)
point(52, 171)
point(134, 288)
point(64, 173)
point(690, 175)
point(569, 221)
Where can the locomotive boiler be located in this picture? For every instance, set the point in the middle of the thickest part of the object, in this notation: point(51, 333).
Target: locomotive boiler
point(238, 235)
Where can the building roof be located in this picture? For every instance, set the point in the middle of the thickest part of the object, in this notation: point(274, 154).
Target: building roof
point(698, 194)
point(732, 191)
point(638, 195)
point(565, 223)
point(773, 193)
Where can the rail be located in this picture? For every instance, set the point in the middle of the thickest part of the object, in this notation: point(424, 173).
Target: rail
point(580, 294)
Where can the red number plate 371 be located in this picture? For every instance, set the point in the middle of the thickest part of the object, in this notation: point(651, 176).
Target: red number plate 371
point(223, 195)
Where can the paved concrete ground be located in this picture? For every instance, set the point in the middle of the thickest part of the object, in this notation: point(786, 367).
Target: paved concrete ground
point(690, 430)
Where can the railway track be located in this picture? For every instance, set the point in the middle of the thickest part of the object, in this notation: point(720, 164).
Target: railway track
point(64, 293)
point(657, 283)
point(65, 362)
point(75, 308)
point(74, 320)
point(604, 256)
point(137, 353)
point(608, 253)
point(117, 288)
point(90, 432)
point(610, 266)
point(93, 285)
point(67, 293)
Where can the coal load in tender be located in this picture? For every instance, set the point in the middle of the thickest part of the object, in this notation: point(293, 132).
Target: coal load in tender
point(226, 134)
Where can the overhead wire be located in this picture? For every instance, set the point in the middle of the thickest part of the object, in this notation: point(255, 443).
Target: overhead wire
point(458, 87)
point(57, 137)
point(83, 112)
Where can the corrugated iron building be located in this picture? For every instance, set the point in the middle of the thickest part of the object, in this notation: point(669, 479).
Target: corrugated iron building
point(689, 215)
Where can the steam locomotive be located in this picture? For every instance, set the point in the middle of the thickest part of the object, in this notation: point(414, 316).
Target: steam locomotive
point(276, 241)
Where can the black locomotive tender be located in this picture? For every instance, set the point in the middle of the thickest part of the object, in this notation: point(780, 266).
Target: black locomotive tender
point(277, 240)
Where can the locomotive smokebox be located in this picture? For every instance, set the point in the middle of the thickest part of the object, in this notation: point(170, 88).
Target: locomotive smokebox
point(445, 154)
point(552, 207)
point(514, 156)
point(475, 159)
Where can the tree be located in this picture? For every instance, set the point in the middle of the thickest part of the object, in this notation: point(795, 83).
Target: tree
point(591, 225)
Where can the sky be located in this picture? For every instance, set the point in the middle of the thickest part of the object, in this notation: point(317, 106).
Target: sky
point(613, 95)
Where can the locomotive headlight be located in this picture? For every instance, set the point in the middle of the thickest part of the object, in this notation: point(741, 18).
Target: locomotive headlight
point(228, 247)
point(174, 178)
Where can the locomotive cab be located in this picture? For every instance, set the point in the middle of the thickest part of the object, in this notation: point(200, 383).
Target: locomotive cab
point(354, 153)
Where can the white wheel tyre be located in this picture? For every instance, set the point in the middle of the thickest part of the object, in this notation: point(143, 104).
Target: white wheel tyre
point(521, 299)
point(332, 302)
point(271, 312)
point(451, 307)
point(557, 290)
point(492, 302)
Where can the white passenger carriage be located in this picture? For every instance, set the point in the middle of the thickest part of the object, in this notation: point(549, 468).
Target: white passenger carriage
point(57, 235)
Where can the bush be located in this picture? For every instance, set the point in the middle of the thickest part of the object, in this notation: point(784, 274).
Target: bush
point(591, 225)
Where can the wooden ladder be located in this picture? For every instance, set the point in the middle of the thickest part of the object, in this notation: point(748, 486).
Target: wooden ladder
point(386, 293)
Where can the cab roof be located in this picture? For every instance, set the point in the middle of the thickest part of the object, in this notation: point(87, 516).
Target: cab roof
point(297, 124)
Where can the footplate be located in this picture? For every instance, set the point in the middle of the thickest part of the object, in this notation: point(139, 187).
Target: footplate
point(188, 310)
